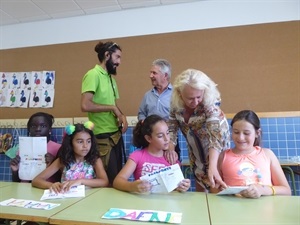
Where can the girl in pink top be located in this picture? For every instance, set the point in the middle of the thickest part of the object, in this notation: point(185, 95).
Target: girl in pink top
point(152, 135)
point(247, 164)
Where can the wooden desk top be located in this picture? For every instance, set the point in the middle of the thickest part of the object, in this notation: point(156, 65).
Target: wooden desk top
point(25, 191)
point(90, 210)
point(269, 210)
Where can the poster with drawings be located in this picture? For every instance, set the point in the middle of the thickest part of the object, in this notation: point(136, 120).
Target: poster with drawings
point(34, 89)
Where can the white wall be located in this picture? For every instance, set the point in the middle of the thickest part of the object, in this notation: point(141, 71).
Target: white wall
point(154, 20)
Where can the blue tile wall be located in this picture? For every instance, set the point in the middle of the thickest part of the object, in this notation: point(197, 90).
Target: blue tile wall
point(281, 134)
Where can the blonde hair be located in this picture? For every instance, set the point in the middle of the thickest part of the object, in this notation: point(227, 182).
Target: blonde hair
point(198, 80)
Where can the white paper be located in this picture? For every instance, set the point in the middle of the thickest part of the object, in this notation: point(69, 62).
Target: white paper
point(164, 180)
point(28, 204)
point(232, 190)
point(74, 192)
point(32, 152)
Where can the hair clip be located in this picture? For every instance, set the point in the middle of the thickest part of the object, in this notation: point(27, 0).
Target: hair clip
point(70, 129)
point(89, 125)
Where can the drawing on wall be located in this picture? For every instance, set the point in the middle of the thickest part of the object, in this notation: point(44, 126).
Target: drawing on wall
point(26, 80)
point(27, 89)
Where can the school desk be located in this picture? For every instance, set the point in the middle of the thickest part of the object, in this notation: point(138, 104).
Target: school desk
point(4, 183)
point(266, 210)
point(25, 191)
point(192, 205)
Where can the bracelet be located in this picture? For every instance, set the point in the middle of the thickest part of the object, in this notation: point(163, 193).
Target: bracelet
point(273, 190)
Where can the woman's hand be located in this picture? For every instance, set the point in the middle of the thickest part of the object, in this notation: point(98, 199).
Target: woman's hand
point(171, 156)
point(215, 179)
point(184, 185)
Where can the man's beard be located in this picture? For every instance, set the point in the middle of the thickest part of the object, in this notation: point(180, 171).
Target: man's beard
point(110, 67)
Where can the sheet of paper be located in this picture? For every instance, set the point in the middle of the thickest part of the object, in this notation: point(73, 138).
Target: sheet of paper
point(74, 192)
point(164, 180)
point(28, 204)
point(143, 215)
point(32, 152)
point(232, 190)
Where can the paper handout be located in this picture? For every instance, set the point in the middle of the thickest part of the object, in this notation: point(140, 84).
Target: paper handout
point(74, 192)
point(32, 152)
point(232, 190)
point(143, 215)
point(28, 204)
point(164, 180)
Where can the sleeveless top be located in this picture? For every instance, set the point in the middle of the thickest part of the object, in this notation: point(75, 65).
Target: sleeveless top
point(242, 170)
point(82, 170)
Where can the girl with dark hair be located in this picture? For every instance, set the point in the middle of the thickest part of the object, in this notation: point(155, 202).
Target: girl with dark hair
point(152, 135)
point(248, 164)
point(38, 125)
point(78, 160)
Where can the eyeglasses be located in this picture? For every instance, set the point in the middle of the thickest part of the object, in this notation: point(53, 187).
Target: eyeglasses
point(113, 45)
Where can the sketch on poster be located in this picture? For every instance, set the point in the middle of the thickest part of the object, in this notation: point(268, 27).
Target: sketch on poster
point(35, 98)
point(26, 80)
point(37, 77)
point(23, 98)
point(2, 98)
point(15, 81)
point(12, 98)
point(48, 79)
point(4, 80)
point(48, 95)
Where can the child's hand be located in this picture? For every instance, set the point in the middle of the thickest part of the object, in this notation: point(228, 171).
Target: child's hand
point(49, 158)
point(56, 187)
point(66, 185)
point(14, 163)
point(142, 186)
point(184, 185)
point(254, 191)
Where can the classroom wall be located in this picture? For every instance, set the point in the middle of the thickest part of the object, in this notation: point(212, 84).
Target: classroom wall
point(255, 67)
point(196, 15)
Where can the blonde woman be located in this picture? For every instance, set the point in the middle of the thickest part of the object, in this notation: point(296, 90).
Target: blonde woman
point(195, 110)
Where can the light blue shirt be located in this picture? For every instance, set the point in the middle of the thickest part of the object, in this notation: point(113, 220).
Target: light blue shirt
point(153, 103)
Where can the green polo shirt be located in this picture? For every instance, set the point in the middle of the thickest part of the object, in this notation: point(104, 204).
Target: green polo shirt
point(97, 80)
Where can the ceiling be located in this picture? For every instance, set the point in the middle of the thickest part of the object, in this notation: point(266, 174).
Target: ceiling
point(23, 11)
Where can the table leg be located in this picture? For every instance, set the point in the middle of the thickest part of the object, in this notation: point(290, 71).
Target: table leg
point(290, 171)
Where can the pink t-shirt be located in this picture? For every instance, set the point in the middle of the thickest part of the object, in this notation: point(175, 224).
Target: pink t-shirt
point(241, 170)
point(52, 147)
point(146, 163)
